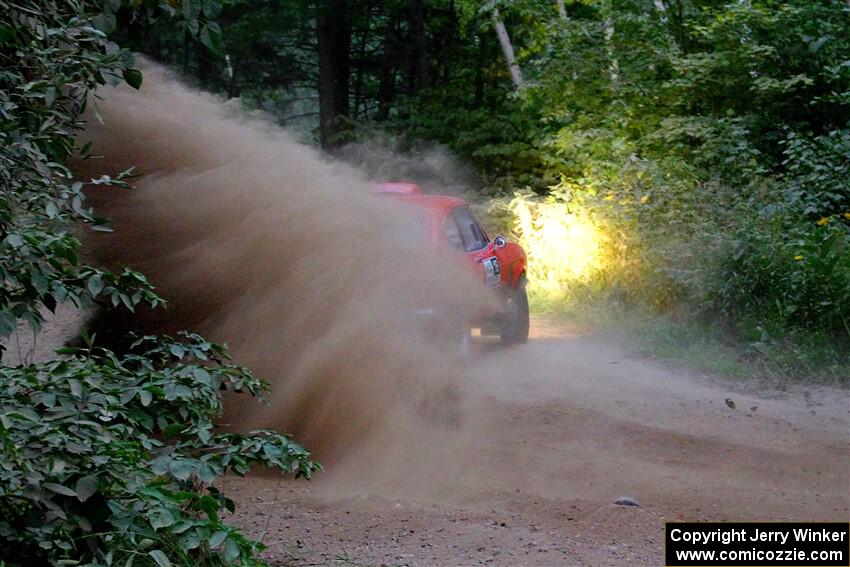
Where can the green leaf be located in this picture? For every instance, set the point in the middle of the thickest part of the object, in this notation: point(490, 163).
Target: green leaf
point(75, 387)
point(145, 398)
point(7, 324)
point(206, 38)
point(211, 506)
point(59, 489)
point(173, 429)
point(85, 151)
point(212, 8)
point(104, 22)
point(7, 34)
point(95, 285)
point(217, 539)
point(191, 540)
point(160, 518)
point(231, 550)
point(133, 78)
point(181, 469)
point(160, 558)
point(86, 486)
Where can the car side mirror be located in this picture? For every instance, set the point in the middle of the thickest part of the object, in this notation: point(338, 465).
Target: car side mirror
point(499, 242)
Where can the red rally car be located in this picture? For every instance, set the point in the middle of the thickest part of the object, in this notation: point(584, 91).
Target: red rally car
point(501, 264)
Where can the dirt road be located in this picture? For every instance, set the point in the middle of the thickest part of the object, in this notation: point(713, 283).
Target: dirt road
point(546, 437)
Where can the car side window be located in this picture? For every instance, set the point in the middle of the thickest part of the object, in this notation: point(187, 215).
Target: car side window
point(453, 233)
point(470, 231)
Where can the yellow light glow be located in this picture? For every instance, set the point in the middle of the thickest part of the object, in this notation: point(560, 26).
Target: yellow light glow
point(564, 246)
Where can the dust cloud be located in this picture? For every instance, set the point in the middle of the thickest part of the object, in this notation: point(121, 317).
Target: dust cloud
point(428, 164)
point(261, 242)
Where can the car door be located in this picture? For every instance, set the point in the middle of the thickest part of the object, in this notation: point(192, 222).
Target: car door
point(497, 263)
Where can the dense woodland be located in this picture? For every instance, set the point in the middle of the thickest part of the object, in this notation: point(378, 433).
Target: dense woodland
point(692, 157)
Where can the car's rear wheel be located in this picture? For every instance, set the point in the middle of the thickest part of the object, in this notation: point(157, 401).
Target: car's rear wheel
point(465, 342)
point(515, 322)
point(453, 335)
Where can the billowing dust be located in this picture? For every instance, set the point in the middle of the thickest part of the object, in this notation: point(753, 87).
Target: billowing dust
point(260, 242)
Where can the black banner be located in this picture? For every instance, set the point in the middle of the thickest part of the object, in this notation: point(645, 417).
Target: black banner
point(757, 544)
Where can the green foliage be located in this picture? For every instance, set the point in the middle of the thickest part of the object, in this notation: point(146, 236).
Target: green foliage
point(53, 57)
point(818, 173)
point(789, 271)
point(709, 143)
point(254, 56)
point(104, 459)
point(111, 459)
point(756, 351)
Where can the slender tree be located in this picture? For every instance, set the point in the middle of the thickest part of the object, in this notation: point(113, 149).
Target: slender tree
point(333, 41)
point(507, 49)
point(387, 73)
point(562, 9)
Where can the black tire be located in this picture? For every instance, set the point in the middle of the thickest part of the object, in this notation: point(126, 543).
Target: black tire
point(464, 347)
point(516, 322)
point(453, 335)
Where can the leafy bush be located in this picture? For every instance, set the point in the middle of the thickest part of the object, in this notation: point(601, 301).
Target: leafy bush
point(709, 147)
point(111, 459)
point(104, 459)
point(52, 57)
point(818, 173)
point(789, 272)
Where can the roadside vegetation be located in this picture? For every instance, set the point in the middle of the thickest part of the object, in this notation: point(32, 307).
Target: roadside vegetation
point(683, 162)
point(105, 458)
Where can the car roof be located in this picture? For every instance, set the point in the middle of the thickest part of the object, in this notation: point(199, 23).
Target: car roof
point(408, 192)
point(435, 203)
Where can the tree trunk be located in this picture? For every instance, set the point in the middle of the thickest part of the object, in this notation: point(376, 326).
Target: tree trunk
point(324, 42)
point(507, 49)
point(342, 58)
point(420, 50)
point(205, 67)
point(333, 40)
point(562, 9)
point(386, 85)
point(671, 12)
point(232, 70)
point(444, 54)
point(479, 75)
point(187, 42)
point(614, 63)
point(361, 61)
